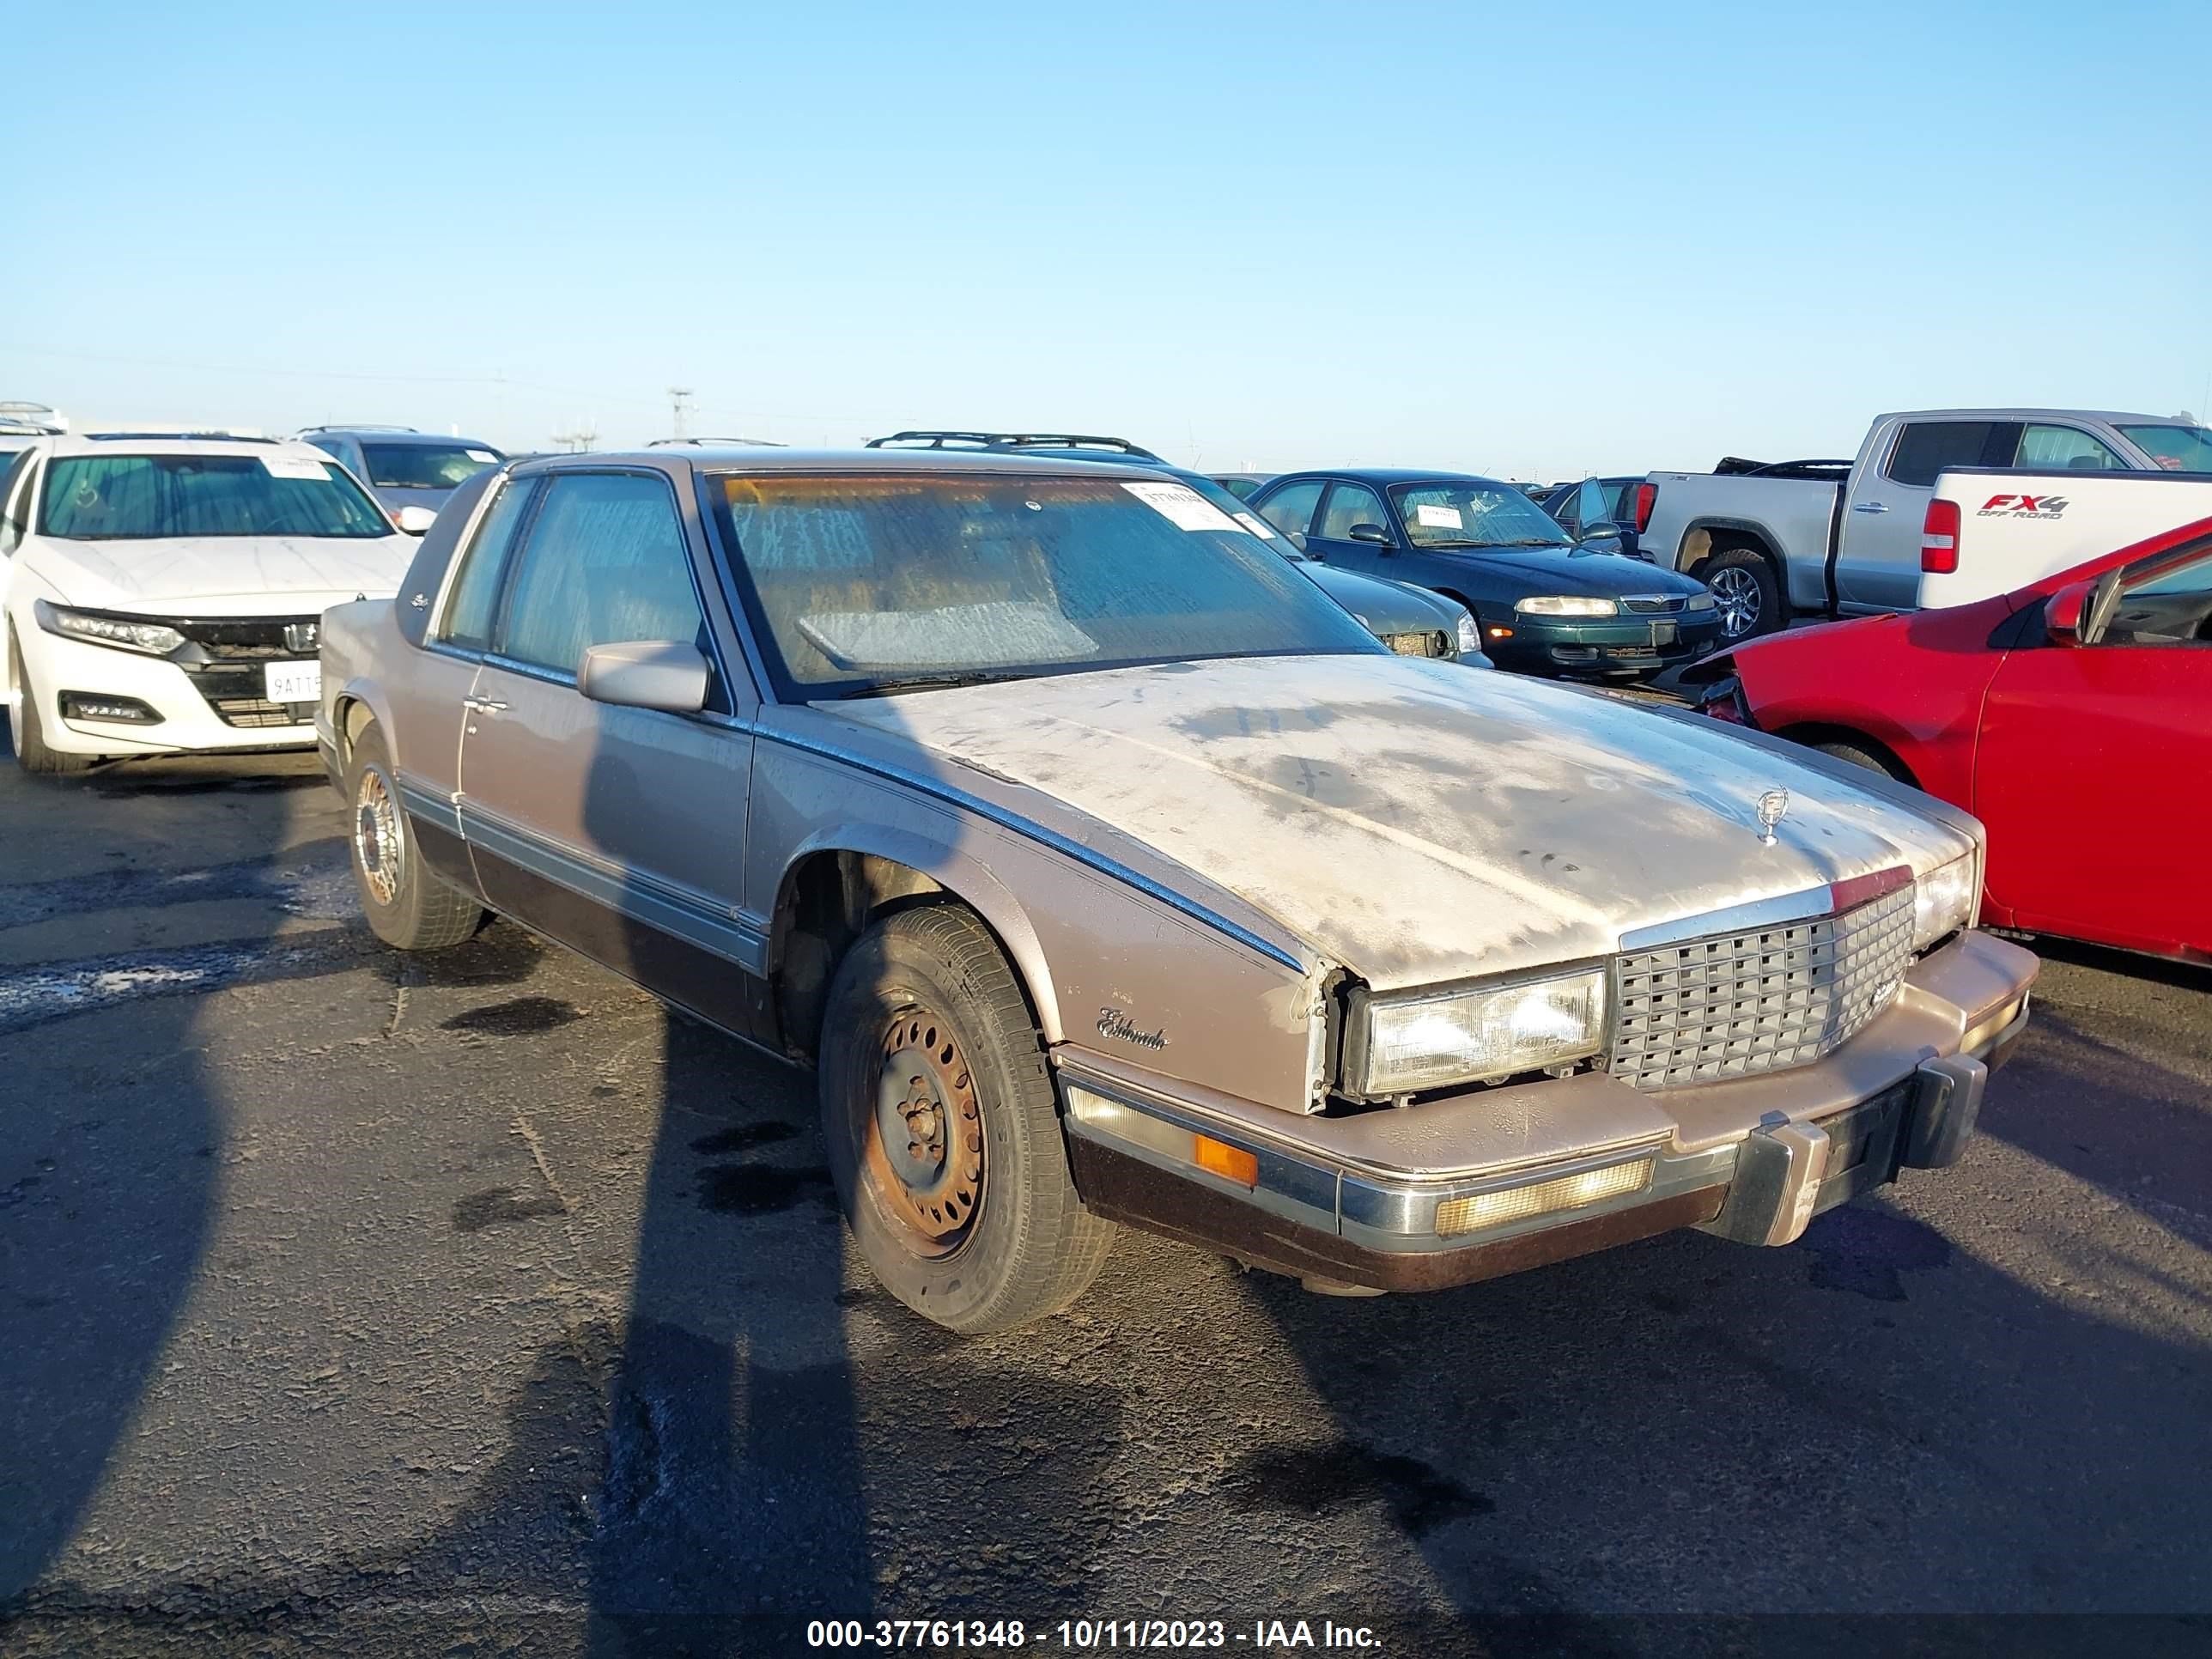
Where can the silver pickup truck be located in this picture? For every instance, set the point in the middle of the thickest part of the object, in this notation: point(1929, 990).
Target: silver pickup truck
point(1844, 538)
point(1103, 871)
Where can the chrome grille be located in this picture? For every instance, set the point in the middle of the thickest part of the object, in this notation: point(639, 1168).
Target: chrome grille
point(1760, 1000)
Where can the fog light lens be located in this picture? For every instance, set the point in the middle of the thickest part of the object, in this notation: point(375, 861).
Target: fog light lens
point(1481, 1210)
point(86, 706)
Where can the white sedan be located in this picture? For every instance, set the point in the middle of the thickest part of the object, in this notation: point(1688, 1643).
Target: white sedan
point(165, 594)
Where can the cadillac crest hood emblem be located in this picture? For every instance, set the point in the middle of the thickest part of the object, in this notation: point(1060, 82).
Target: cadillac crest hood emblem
point(1770, 808)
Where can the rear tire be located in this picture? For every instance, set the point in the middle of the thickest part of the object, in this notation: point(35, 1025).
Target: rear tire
point(28, 734)
point(943, 1128)
point(409, 905)
point(1742, 580)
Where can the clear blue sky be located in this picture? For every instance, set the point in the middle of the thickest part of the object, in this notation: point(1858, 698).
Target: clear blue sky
point(1535, 240)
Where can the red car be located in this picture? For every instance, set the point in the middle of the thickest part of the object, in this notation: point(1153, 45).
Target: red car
point(2074, 718)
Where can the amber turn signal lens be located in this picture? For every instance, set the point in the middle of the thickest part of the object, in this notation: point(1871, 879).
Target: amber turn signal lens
point(1230, 1163)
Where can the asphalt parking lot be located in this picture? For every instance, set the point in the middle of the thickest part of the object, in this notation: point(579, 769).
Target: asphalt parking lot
point(473, 1304)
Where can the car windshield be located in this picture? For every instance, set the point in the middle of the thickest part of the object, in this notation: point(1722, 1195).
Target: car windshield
point(95, 498)
point(861, 583)
point(1474, 515)
point(2178, 448)
point(425, 466)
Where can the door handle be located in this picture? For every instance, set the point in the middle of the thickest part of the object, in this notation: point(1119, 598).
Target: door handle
point(1869, 507)
point(485, 705)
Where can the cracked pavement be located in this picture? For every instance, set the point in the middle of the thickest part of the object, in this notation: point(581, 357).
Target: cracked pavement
point(472, 1304)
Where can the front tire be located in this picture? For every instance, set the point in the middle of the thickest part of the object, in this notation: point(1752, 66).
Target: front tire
point(29, 735)
point(409, 905)
point(1750, 599)
point(944, 1132)
point(1859, 754)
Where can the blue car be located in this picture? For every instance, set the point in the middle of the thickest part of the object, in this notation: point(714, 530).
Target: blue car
point(1545, 604)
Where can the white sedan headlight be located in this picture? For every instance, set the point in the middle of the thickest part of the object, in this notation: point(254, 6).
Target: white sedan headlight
point(1470, 637)
point(1947, 899)
point(124, 633)
point(1566, 604)
point(1402, 1044)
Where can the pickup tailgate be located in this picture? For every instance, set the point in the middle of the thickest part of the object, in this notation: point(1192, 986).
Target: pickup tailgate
point(2014, 528)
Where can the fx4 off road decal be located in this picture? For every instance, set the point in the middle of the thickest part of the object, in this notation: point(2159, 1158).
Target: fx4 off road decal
point(2022, 507)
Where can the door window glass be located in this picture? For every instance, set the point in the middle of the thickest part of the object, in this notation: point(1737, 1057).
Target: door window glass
point(2164, 603)
point(1292, 507)
point(605, 560)
point(1569, 510)
point(1924, 449)
point(476, 590)
point(1350, 504)
point(2050, 448)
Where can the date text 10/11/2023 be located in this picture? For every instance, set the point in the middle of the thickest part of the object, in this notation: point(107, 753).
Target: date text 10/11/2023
point(1086, 1635)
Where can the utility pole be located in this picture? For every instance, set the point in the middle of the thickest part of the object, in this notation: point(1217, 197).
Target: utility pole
point(578, 438)
point(679, 398)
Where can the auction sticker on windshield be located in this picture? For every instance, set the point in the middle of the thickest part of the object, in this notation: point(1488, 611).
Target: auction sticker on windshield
point(1258, 525)
point(1438, 518)
point(295, 467)
point(293, 682)
point(1183, 506)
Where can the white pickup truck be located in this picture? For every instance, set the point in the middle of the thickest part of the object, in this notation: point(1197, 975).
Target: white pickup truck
point(1844, 538)
point(1988, 531)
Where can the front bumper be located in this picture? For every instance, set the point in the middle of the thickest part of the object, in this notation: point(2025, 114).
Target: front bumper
point(1453, 1190)
point(206, 706)
point(1634, 644)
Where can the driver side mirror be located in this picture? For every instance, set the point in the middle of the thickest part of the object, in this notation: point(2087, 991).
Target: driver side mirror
point(414, 520)
point(1603, 530)
point(1374, 534)
point(2078, 613)
point(659, 674)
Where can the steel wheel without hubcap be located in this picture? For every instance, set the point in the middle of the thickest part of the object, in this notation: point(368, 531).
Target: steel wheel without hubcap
point(922, 1144)
point(376, 842)
point(1736, 591)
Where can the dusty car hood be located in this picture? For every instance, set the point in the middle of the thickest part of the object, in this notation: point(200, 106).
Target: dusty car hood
point(1410, 820)
point(250, 574)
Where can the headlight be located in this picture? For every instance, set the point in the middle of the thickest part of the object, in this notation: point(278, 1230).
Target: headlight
point(154, 639)
point(1701, 600)
point(1947, 899)
point(1470, 637)
point(1566, 604)
point(1403, 1044)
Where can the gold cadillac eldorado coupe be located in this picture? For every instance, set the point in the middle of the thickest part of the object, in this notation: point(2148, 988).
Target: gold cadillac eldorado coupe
point(1104, 872)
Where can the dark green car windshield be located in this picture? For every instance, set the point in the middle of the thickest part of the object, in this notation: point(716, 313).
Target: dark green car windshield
point(869, 582)
point(1474, 515)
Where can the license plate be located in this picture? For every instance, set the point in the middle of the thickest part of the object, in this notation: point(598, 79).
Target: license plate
point(1662, 633)
point(293, 682)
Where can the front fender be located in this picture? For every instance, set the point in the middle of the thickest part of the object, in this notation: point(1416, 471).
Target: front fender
point(961, 874)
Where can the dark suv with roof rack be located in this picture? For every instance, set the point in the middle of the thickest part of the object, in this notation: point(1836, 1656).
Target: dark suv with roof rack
point(401, 466)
